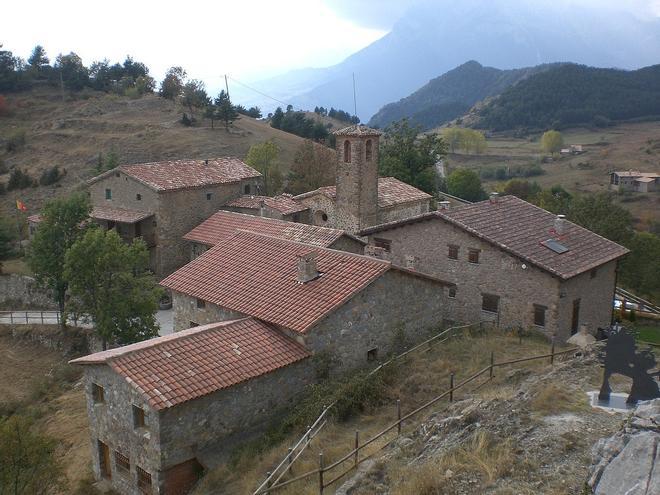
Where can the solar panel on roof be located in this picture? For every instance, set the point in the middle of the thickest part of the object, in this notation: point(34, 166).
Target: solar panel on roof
point(555, 246)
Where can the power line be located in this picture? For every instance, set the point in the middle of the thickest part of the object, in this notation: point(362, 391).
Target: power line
point(259, 92)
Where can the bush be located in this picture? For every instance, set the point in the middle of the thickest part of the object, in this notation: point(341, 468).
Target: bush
point(50, 176)
point(19, 180)
point(15, 140)
point(185, 120)
point(4, 106)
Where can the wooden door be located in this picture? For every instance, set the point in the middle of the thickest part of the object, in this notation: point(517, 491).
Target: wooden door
point(575, 322)
point(104, 460)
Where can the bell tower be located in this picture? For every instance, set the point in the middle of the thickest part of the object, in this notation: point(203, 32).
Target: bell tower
point(357, 178)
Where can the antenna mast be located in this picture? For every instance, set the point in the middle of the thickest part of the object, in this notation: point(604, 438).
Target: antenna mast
point(354, 97)
point(226, 85)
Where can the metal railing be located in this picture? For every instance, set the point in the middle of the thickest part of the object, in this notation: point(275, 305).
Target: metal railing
point(30, 317)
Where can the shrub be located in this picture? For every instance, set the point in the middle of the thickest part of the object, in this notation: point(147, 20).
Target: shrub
point(15, 140)
point(4, 106)
point(185, 120)
point(19, 180)
point(50, 176)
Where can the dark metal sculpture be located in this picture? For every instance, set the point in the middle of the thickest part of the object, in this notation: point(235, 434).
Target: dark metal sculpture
point(621, 357)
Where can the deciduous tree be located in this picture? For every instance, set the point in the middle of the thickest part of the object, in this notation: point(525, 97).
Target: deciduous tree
point(263, 157)
point(552, 141)
point(194, 96)
point(465, 183)
point(172, 85)
point(313, 167)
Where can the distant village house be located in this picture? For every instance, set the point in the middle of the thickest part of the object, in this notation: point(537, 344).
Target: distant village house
point(634, 180)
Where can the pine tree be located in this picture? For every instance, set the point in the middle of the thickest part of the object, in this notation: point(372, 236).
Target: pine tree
point(226, 111)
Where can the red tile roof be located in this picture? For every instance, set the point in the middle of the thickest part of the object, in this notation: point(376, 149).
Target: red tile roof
point(357, 130)
point(183, 174)
point(224, 224)
point(391, 192)
point(257, 275)
point(193, 363)
point(284, 203)
point(118, 214)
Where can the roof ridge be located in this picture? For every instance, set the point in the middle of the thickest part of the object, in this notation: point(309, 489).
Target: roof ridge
point(277, 221)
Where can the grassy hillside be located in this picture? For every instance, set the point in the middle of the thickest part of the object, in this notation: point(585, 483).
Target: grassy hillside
point(71, 132)
point(571, 94)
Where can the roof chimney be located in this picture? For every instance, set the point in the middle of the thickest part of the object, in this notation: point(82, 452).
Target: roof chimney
point(307, 268)
point(444, 205)
point(560, 224)
point(494, 197)
point(262, 207)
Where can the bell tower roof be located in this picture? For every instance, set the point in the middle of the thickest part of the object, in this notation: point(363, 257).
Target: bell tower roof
point(357, 130)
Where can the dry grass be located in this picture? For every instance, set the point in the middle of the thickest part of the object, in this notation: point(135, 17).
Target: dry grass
point(17, 266)
point(553, 399)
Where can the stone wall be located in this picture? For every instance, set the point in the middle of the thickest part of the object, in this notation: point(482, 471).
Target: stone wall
point(320, 207)
point(187, 313)
point(404, 210)
point(348, 244)
point(125, 192)
point(71, 342)
point(22, 292)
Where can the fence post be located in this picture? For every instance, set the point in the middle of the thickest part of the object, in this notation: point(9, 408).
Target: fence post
point(552, 351)
point(451, 387)
point(42, 317)
point(26, 318)
point(357, 446)
point(289, 458)
point(492, 363)
point(269, 482)
point(57, 317)
point(321, 473)
point(398, 413)
point(11, 317)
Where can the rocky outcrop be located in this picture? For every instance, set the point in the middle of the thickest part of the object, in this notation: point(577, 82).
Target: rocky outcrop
point(629, 461)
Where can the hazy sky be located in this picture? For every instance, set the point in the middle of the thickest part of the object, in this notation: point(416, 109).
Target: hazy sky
point(248, 39)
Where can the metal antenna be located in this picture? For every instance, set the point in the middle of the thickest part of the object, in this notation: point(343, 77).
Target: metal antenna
point(354, 97)
point(226, 85)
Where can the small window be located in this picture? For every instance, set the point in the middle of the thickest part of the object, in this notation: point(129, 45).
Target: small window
point(324, 217)
point(108, 194)
point(372, 354)
point(452, 253)
point(98, 394)
point(143, 480)
point(452, 291)
point(490, 303)
point(368, 150)
point(593, 273)
point(123, 463)
point(208, 196)
point(347, 151)
point(193, 324)
point(386, 244)
point(138, 197)
point(138, 417)
point(539, 315)
point(201, 303)
point(473, 256)
point(246, 189)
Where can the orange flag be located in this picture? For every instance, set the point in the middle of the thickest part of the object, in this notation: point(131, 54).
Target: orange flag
point(20, 205)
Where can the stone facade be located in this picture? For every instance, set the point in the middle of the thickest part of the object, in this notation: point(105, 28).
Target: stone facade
point(175, 212)
point(175, 438)
point(23, 292)
point(522, 289)
point(268, 212)
point(403, 211)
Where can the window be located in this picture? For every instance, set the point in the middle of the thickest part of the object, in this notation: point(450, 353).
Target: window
point(539, 315)
point(108, 194)
point(138, 417)
point(452, 292)
point(473, 256)
point(143, 480)
point(386, 244)
point(138, 197)
point(122, 462)
point(97, 394)
point(490, 303)
point(104, 459)
point(347, 151)
point(368, 150)
point(593, 273)
point(452, 254)
point(208, 196)
point(372, 354)
point(246, 189)
point(201, 303)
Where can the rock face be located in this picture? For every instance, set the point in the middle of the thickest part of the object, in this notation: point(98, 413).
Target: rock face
point(629, 461)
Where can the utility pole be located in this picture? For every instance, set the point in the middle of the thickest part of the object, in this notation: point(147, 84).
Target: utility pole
point(226, 85)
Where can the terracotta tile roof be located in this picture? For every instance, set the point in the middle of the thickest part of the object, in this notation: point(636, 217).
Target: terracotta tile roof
point(357, 130)
point(520, 227)
point(184, 174)
point(284, 203)
point(224, 224)
point(391, 192)
point(637, 173)
point(257, 275)
point(118, 214)
point(193, 363)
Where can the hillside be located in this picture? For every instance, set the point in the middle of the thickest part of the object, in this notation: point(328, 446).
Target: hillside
point(449, 96)
point(71, 133)
point(571, 94)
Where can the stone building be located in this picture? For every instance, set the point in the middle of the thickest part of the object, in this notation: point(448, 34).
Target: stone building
point(224, 224)
point(161, 201)
point(281, 207)
point(634, 180)
point(347, 305)
point(513, 263)
point(159, 409)
point(360, 198)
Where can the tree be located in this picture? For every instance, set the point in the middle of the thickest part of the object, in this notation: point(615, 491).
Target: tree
point(313, 167)
point(276, 119)
point(211, 112)
point(8, 75)
point(63, 223)
point(465, 183)
point(598, 213)
point(7, 238)
point(521, 188)
point(552, 141)
point(263, 157)
point(38, 61)
point(73, 74)
point(640, 270)
point(194, 96)
point(226, 111)
point(111, 283)
point(28, 465)
point(172, 84)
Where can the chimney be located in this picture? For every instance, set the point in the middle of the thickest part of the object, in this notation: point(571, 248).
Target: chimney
point(444, 205)
point(307, 269)
point(494, 197)
point(262, 208)
point(560, 224)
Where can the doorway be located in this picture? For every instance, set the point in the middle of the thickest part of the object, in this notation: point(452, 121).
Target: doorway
point(104, 460)
point(575, 321)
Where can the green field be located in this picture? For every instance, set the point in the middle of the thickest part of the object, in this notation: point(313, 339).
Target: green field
point(648, 333)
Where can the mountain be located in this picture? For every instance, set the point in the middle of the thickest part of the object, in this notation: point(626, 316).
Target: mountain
point(436, 36)
point(574, 94)
point(451, 95)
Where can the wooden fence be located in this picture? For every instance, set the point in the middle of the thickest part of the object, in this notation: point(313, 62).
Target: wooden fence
point(324, 473)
